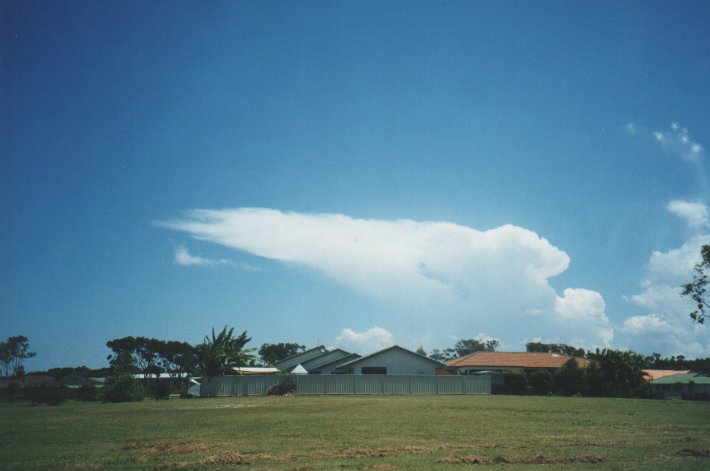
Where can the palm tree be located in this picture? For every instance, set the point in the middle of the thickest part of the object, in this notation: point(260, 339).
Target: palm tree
point(217, 355)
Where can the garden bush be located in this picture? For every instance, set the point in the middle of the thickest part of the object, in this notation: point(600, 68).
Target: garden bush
point(282, 388)
point(121, 387)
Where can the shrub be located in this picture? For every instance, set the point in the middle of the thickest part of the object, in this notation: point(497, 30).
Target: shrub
point(514, 382)
point(540, 382)
point(282, 388)
point(50, 395)
point(570, 378)
point(160, 389)
point(121, 387)
point(87, 392)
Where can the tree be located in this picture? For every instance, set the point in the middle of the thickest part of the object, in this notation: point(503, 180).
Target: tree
point(561, 348)
point(696, 288)
point(569, 379)
point(421, 351)
point(13, 352)
point(616, 373)
point(270, 353)
point(465, 347)
point(217, 355)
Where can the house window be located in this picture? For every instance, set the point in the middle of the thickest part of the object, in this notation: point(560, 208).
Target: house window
point(374, 370)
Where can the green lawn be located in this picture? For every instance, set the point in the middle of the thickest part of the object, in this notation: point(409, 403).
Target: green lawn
point(359, 432)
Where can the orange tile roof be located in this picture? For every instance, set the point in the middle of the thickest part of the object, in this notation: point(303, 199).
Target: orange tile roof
point(651, 375)
point(514, 360)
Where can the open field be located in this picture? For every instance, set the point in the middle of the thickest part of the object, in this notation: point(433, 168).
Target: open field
point(359, 432)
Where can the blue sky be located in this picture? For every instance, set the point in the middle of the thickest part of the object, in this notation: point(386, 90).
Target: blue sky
point(353, 174)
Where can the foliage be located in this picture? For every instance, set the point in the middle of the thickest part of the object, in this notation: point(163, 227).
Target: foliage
point(270, 353)
point(540, 382)
point(696, 288)
point(159, 389)
point(282, 388)
point(616, 373)
point(13, 352)
point(151, 356)
point(514, 382)
point(87, 392)
point(563, 349)
point(51, 395)
point(218, 354)
point(421, 351)
point(569, 379)
point(464, 347)
point(121, 387)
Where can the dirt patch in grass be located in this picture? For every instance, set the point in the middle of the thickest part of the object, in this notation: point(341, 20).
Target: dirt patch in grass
point(690, 452)
point(80, 467)
point(539, 459)
point(168, 448)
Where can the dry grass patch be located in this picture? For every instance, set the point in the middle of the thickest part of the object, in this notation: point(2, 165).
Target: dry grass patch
point(168, 448)
point(529, 460)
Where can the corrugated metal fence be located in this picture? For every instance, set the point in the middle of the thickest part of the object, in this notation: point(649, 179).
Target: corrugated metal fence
point(347, 384)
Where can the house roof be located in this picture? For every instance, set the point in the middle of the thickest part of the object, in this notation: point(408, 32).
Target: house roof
point(298, 358)
point(336, 364)
point(437, 364)
point(652, 375)
point(686, 378)
point(514, 360)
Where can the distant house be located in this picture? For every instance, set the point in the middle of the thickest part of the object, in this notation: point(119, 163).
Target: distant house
point(500, 361)
point(394, 360)
point(652, 375)
point(683, 384)
point(287, 364)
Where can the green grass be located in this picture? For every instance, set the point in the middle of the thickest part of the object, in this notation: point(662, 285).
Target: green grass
point(359, 432)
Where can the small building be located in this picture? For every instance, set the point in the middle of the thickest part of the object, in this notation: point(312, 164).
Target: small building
point(394, 360)
point(501, 361)
point(684, 384)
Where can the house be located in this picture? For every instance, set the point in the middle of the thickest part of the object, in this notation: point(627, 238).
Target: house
point(394, 360)
point(499, 361)
point(287, 364)
point(683, 384)
point(652, 375)
point(328, 362)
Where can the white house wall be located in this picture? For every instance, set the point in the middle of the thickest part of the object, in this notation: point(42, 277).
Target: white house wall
point(397, 362)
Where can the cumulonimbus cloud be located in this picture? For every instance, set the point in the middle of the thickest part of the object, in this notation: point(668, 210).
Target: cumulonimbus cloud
point(497, 277)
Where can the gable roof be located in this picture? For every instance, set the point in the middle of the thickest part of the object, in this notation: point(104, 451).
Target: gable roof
point(329, 356)
point(298, 358)
point(514, 360)
point(336, 364)
point(696, 378)
point(652, 375)
point(349, 364)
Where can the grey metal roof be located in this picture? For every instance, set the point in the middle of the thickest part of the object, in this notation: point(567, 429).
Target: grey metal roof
point(438, 364)
point(290, 362)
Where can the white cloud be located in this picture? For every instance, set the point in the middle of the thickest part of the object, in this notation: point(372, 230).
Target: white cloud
point(366, 342)
point(463, 278)
point(185, 258)
point(631, 128)
point(677, 141)
point(666, 327)
point(695, 214)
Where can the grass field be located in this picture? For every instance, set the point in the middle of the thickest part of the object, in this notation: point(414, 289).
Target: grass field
point(359, 432)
